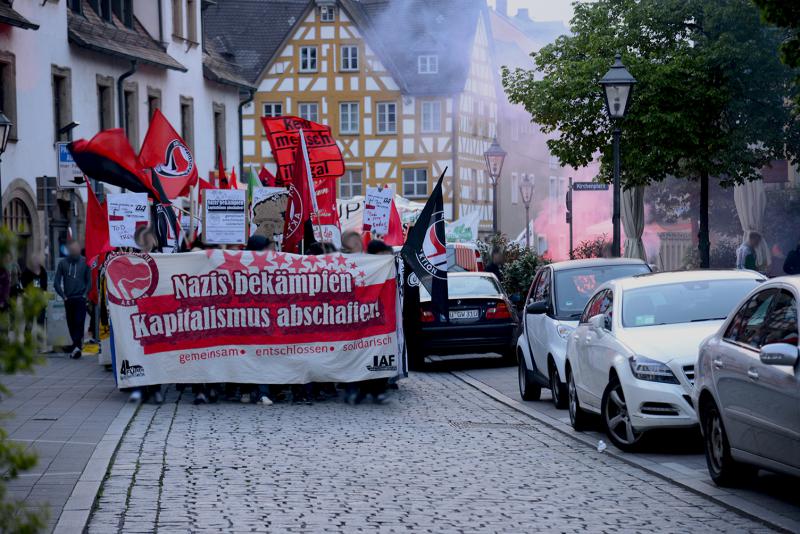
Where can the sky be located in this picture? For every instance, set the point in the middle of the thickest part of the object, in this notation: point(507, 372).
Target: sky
point(542, 9)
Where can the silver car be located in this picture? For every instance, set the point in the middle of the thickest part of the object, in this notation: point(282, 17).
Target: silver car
point(747, 386)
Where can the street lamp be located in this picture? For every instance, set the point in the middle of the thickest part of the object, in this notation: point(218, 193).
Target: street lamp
point(526, 191)
point(495, 156)
point(617, 88)
point(5, 130)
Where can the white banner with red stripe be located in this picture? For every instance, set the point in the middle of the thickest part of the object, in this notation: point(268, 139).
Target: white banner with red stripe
point(252, 317)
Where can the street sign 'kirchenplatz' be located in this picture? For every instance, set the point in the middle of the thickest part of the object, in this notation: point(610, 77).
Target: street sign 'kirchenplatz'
point(589, 186)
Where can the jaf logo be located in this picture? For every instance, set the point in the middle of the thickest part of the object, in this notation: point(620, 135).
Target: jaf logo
point(178, 161)
point(130, 371)
point(131, 276)
point(433, 256)
point(385, 362)
point(295, 209)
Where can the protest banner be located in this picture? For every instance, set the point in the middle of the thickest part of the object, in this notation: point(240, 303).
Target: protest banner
point(377, 207)
point(224, 216)
point(252, 317)
point(126, 211)
point(351, 211)
point(266, 211)
point(465, 229)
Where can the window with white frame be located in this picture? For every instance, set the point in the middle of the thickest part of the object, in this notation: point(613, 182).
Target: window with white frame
point(515, 187)
point(327, 13)
point(387, 117)
point(432, 116)
point(553, 162)
point(428, 64)
point(309, 111)
point(350, 185)
point(415, 183)
point(348, 118)
point(273, 109)
point(349, 58)
point(308, 59)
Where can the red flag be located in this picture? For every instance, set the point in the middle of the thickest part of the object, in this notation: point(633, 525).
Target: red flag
point(395, 236)
point(222, 180)
point(233, 183)
point(202, 184)
point(108, 157)
point(299, 208)
point(166, 153)
point(266, 177)
point(96, 240)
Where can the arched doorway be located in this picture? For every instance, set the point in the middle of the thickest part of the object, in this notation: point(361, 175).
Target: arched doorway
point(17, 217)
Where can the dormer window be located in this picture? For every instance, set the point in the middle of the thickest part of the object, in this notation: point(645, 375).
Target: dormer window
point(428, 64)
point(327, 13)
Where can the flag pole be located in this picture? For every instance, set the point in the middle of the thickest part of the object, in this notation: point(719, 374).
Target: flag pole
point(314, 205)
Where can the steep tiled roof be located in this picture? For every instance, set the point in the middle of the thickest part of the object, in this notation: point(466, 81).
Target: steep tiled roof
point(88, 30)
point(219, 68)
point(397, 30)
point(11, 17)
point(251, 31)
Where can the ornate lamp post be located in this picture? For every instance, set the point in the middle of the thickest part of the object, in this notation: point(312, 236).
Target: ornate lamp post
point(495, 156)
point(617, 88)
point(526, 191)
point(5, 129)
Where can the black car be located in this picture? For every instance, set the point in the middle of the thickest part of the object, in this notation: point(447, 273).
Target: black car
point(482, 320)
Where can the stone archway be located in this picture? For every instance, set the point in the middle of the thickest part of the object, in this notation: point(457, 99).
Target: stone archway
point(21, 216)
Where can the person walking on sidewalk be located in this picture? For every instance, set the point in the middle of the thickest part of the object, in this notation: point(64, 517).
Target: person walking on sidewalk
point(72, 284)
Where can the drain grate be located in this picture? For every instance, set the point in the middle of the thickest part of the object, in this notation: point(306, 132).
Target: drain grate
point(45, 418)
point(467, 425)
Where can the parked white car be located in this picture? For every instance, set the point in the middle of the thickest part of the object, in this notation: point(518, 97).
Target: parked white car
point(747, 386)
point(556, 299)
point(632, 357)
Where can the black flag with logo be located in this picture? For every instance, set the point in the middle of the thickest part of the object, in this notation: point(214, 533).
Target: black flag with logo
point(425, 251)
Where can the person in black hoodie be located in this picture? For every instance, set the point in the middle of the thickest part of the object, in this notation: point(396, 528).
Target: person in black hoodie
point(71, 282)
point(792, 263)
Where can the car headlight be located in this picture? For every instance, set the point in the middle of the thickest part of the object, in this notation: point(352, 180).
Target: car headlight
point(564, 331)
point(651, 370)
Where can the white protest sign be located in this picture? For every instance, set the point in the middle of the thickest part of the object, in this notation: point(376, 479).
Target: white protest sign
point(224, 216)
point(377, 207)
point(126, 211)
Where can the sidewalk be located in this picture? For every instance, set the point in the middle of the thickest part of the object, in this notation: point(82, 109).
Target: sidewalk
point(64, 411)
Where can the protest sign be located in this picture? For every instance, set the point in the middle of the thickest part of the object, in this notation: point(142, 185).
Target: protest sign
point(377, 207)
point(224, 216)
point(126, 211)
point(252, 317)
point(267, 211)
point(465, 229)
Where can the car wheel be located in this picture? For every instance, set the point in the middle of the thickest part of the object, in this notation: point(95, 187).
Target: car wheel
point(558, 388)
point(617, 419)
point(724, 470)
point(577, 417)
point(528, 389)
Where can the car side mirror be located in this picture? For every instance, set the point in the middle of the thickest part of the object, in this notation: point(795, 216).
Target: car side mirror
point(779, 354)
point(539, 307)
point(600, 322)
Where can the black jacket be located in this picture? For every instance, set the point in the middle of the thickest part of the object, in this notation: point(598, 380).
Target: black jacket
point(792, 263)
point(73, 278)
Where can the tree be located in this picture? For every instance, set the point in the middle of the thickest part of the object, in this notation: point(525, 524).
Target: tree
point(711, 98)
point(785, 14)
point(19, 351)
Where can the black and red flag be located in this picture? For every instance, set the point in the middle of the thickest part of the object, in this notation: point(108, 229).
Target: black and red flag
point(164, 151)
point(108, 157)
point(425, 252)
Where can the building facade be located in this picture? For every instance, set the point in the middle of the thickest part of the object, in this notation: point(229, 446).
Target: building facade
point(404, 104)
point(87, 65)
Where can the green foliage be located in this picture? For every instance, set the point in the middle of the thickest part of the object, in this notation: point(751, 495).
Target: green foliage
point(19, 351)
point(711, 98)
point(785, 14)
point(520, 265)
point(598, 247)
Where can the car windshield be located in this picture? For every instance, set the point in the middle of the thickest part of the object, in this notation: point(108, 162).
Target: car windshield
point(466, 286)
point(574, 286)
point(685, 302)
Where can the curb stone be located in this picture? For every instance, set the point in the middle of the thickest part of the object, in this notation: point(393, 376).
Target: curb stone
point(75, 515)
point(731, 502)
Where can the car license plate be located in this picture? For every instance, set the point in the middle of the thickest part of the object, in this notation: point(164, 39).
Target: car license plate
point(464, 314)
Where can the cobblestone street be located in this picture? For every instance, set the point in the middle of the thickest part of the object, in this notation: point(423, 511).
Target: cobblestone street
point(441, 456)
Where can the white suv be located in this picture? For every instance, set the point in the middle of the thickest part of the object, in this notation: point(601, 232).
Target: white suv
point(555, 301)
